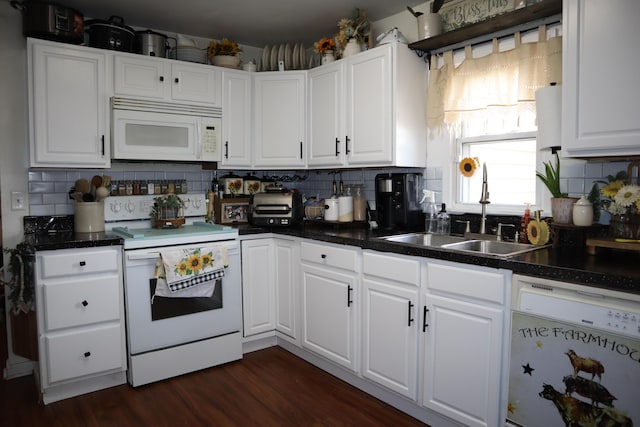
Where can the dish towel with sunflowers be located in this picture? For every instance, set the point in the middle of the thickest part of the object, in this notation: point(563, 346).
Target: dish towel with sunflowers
point(184, 268)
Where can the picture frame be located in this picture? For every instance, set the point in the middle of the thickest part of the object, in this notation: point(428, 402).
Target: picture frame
point(231, 211)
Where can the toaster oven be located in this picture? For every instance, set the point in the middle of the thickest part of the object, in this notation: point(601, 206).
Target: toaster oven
point(278, 207)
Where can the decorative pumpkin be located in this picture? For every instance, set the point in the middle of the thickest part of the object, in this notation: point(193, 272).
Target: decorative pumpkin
point(468, 166)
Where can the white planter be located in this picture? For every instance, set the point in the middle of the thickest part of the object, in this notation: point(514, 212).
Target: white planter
point(351, 48)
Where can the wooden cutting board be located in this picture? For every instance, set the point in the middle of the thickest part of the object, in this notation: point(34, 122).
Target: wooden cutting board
point(610, 242)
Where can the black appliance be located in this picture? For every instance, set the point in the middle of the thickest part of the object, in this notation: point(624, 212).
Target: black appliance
point(397, 197)
point(51, 21)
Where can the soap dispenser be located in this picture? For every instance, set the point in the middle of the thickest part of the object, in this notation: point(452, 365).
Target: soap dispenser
point(430, 211)
point(444, 221)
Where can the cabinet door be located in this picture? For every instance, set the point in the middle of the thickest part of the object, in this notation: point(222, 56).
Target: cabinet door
point(369, 107)
point(146, 77)
point(329, 318)
point(600, 112)
point(236, 119)
point(196, 83)
point(286, 280)
point(258, 290)
point(279, 120)
point(390, 318)
point(462, 354)
point(68, 107)
point(326, 141)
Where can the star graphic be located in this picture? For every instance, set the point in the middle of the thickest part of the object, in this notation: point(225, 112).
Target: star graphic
point(539, 344)
point(527, 369)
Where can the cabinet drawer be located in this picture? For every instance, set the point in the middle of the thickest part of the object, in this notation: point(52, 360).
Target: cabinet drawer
point(83, 353)
point(329, 255)
point(81, 302)
point(396, 268)
point(73, 261)
point(469, 281)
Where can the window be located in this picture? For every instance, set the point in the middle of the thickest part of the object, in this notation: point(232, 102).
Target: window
point(511, 170)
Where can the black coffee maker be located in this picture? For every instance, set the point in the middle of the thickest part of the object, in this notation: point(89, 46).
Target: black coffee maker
point(397, 197)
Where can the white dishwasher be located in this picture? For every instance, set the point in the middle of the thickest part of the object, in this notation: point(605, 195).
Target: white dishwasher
point(575, 355)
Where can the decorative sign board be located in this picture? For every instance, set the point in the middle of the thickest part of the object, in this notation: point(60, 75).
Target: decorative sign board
point(459, 13)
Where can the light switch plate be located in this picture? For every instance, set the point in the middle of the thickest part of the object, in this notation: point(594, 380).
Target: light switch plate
point(17, 200)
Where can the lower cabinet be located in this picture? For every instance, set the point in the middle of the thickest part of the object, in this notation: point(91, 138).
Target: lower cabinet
point(79, 307)
point(269, 281)
point(330, 302)
point(463, 342)
point(390, 321)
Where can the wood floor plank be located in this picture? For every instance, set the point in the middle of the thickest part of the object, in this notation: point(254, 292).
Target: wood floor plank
point(270, 387)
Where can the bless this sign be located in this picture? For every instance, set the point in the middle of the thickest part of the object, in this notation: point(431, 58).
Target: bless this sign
point(459, 13)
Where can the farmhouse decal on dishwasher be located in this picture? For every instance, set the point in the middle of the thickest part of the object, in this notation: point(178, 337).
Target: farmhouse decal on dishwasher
point(562, 374)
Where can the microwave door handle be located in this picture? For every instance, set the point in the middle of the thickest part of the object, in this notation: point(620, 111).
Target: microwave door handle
point(199, 139)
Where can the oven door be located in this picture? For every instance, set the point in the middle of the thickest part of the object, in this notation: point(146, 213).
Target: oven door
point(155, 323)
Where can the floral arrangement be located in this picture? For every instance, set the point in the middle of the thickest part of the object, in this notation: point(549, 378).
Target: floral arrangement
point(325, 44)
point(356, 28)
point(192, 264)
point(621, 198)
point(223, 47)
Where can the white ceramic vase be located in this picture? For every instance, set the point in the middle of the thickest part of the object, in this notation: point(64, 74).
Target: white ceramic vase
point(351, 48)
point(328, 57)
point(429, 25)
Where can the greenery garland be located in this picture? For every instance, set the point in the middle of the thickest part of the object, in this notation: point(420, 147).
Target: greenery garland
point(21, 284)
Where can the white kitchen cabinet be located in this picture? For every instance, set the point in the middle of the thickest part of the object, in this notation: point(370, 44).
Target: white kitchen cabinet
point(600, 111)
point(463, 342)
point(369, 110)
point(237, 97)
point(258, 286)
point(68, 106)
point(330, 295)
point(166, 80)
point(79, 308)
point(390, 322)
point(286, 283)
point(279, 120)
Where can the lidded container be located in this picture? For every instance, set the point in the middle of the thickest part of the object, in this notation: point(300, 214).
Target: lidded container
point(345, 206)
point(232, 185)
point(359, 203)
point(251, 184)
point(444, 221)
point(583, 212)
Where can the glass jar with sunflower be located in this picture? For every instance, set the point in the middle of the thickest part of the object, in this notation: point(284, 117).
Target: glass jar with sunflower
point(622, 201)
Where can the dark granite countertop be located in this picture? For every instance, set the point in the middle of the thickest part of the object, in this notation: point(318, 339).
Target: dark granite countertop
point(609, 269)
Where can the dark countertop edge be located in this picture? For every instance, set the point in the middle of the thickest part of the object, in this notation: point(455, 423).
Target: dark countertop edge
point(71, 241)
point(542, 263)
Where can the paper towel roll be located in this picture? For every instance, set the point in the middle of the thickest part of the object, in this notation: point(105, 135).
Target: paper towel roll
point(549, 115)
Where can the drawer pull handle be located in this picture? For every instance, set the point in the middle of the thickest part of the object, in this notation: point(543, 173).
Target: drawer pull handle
point(409, 318)
point(87, 353)
point(83, 263)
point(425, 325)
point(85, 303)
point(349, 291)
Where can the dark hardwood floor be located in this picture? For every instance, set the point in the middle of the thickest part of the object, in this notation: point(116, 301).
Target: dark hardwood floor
point(270, 387)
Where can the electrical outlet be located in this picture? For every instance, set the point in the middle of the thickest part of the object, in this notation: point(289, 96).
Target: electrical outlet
point(17, 200)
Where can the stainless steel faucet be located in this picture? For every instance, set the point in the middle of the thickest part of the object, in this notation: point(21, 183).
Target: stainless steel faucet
point(484, 200)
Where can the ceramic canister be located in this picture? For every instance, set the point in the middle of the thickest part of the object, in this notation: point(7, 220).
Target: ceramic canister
point(331, 212)
point(583, 212)
point(345, 208)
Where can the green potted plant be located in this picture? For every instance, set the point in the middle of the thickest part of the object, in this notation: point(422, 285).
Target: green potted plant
point(561, 203)
point(167, 207)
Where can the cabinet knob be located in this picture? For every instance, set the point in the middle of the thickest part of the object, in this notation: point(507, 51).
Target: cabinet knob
point(87, 353)
point(161, 78)
point(83, 263)
point(84, 303)
point(176, 80)
point(323, 256)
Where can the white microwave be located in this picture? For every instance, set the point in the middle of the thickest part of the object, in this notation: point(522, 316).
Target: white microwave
point(151, 130)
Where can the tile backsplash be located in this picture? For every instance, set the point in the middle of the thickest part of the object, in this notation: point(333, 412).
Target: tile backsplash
point(48, 189)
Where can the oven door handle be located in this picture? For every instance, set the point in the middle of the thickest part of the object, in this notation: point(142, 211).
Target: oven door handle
point(150, 255)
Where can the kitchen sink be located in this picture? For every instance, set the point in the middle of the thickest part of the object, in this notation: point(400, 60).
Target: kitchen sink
point(492, 247)
point(424, 239)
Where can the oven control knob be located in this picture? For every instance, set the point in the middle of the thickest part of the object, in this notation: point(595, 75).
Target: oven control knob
point(115, 207)
point(130, 207)
point(197, 203)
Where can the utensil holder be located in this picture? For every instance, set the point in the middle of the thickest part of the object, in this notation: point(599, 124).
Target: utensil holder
point(89, 217)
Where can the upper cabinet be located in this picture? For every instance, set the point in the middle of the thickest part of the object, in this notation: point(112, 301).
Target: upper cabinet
point(369, 110)
point(600, 111)
point(162, 79)
point(237, 97)
point(68, 106)
point(279, 119)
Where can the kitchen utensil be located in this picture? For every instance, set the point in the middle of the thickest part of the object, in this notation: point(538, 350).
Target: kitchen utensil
point(51, 21)
point(76, 195)
point(151, 43)
point(413, 12)
point(341, 184)
point(83, 186)
point(96, 181)
point(88, 197)
point(334, 185)
point(101, 193)
point(110, 34)
point(106, 181)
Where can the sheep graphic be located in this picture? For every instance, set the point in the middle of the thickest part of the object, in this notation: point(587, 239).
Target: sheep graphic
point(590, 366)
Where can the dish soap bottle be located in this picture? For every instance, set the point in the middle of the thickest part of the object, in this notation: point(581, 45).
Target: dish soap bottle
point(444, 221)
point(430, 211)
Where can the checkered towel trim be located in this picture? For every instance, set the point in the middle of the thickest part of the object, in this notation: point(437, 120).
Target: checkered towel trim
point(196, 280)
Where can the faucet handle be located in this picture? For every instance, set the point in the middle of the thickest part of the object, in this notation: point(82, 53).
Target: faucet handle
point(499, 231)
point(467, 228)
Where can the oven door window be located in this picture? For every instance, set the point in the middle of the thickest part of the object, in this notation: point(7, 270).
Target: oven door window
point(168, 307)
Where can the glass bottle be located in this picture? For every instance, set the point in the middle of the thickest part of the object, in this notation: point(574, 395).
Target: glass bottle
point(359, 204)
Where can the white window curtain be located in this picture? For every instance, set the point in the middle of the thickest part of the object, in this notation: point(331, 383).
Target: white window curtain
point(494, 93)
